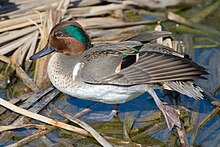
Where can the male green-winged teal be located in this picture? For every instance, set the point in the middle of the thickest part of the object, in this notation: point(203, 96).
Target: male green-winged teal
point(117, 73)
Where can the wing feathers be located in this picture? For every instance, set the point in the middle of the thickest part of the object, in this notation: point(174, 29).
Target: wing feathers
point(173, 79)
point(158, 67)
point(189, 71)
point(164, 68)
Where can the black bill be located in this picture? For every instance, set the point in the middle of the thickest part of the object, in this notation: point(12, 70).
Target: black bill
point(45, 51)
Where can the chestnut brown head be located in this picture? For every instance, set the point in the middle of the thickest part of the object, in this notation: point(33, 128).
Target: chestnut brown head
point(66, 37)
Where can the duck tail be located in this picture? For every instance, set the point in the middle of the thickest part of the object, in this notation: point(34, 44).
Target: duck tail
point(185, 87)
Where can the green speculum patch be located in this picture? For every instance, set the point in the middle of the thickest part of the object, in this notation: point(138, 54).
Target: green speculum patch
point(135, 49)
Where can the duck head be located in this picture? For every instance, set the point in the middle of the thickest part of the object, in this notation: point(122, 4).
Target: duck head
point(67, 37)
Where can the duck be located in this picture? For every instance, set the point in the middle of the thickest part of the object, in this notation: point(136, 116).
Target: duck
point(114, 73)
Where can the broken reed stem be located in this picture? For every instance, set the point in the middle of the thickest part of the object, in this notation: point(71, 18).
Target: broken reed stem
point(15, 44)
point(207, 30)
point(42, 118)
point(127, 24)
point(153, 127)
point(82, 124)
point(205, 12)
point(36, 108)
point(32, 137)
point(49, 129)
point(215, 111)
point(5, 59)
point(16, 34)
point(12, 127)
point(26, 79)
point(15, 100)
point(182, 137)
point(18, 25)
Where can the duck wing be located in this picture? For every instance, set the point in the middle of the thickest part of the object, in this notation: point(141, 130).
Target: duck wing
point(154, 67)
point(150, 67)
point(105, 59)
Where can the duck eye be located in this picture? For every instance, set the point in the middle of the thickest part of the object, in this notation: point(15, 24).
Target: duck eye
point(58, 34)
